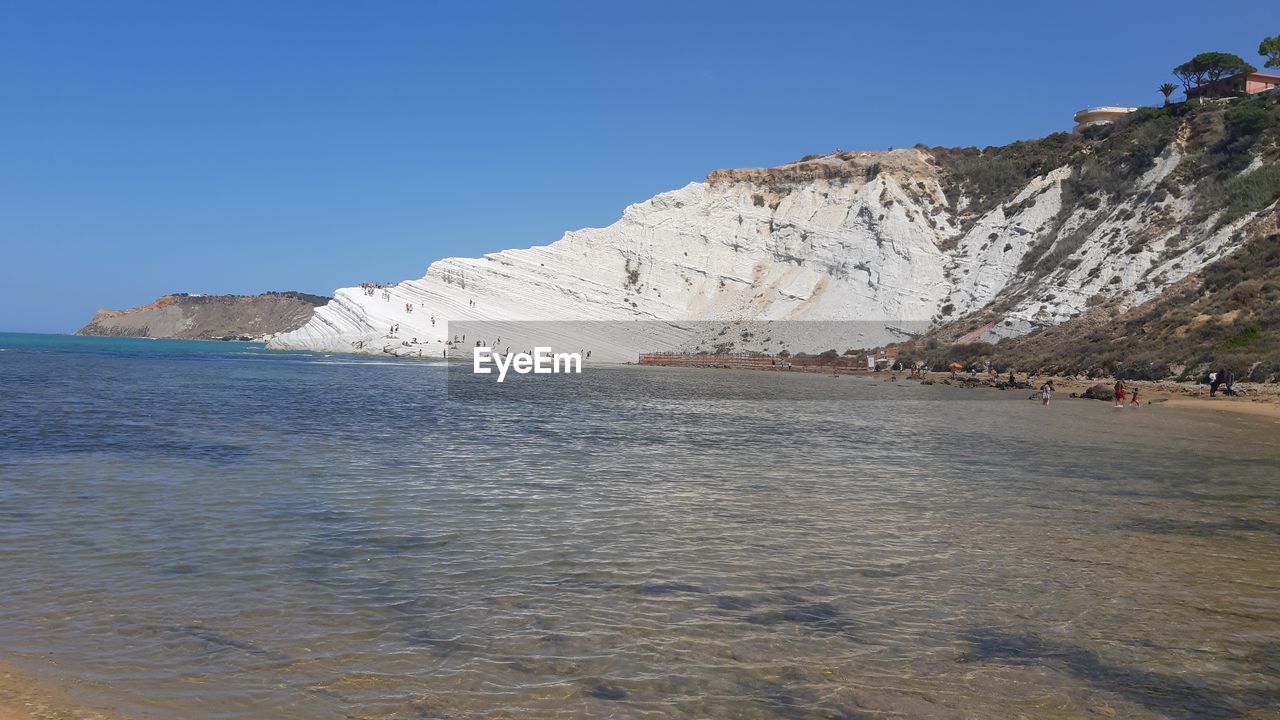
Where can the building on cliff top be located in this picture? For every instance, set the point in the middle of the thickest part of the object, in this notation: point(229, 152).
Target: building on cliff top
point(1099, 116)
point(1236, 85)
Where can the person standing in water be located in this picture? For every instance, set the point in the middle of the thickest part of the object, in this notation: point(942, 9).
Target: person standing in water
point(1133, 397)
point(1046, 392)
point(1119, 392)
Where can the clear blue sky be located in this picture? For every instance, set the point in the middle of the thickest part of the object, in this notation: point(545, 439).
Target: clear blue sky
point(239, 146)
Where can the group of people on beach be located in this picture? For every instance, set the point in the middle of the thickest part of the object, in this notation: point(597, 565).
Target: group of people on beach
point(1224, 379)
point(1120, 391)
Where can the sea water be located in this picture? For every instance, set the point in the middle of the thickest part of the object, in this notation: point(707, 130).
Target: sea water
point(210, 530)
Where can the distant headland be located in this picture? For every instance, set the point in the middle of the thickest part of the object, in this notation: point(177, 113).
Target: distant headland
point(193, 316)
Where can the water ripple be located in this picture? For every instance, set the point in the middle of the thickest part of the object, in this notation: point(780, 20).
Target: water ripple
point(281, 536)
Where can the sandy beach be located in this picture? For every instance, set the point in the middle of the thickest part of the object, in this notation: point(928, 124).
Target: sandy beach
point(1257, 399)
point(1262, 400)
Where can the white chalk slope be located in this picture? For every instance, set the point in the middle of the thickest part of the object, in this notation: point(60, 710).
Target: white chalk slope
point(866, 237)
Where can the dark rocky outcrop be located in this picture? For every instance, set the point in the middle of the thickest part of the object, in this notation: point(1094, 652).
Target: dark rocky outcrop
point(203, 317)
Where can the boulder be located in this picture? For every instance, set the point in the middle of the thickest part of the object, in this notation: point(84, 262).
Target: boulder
point(1099, 392)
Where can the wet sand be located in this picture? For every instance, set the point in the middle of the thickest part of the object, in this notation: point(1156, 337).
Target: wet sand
point(1263, 408)
point(23, 696)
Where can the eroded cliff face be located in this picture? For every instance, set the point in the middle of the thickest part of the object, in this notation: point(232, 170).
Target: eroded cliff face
point(894, 240)
point(860, 244)
point(201, 317)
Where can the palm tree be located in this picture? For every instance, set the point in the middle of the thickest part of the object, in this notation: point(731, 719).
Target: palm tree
point(1168, 89)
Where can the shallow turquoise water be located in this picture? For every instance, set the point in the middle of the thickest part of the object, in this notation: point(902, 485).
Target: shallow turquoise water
point(202, 529)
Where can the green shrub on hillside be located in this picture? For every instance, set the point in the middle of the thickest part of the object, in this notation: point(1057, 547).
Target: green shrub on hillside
point(1247, 119)
point(1248, 336)
point(1251, 192)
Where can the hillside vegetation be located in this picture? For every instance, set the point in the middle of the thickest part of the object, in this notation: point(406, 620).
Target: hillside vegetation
point(1225, 315)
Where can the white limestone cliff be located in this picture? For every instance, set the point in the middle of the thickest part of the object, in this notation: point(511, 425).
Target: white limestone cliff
point(864, 237)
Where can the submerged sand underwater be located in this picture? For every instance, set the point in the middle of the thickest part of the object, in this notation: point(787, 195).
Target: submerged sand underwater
point(218, 533)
